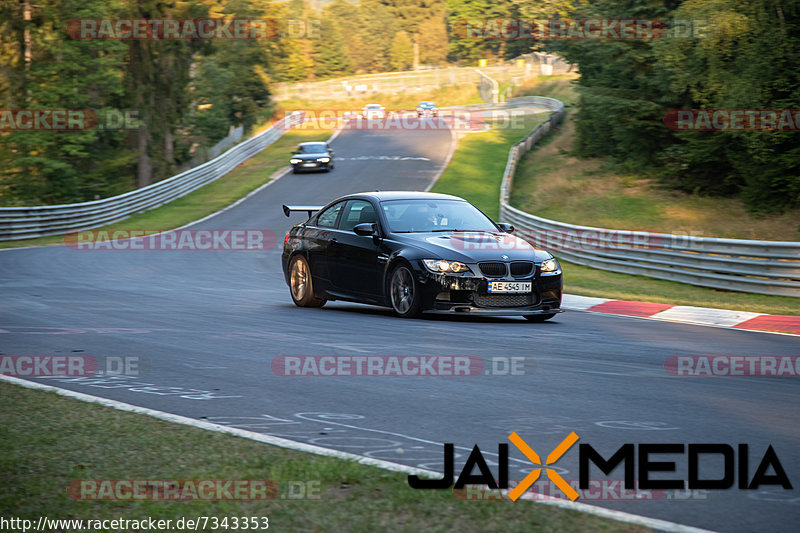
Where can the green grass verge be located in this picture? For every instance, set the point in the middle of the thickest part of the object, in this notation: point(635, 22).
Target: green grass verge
point(49, 440)
point(476, 169)
point(553, 183)
point(210, 198)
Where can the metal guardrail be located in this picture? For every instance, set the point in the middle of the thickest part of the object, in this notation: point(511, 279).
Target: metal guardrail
point(763, 267)
point(489, 88)
point(38, 221)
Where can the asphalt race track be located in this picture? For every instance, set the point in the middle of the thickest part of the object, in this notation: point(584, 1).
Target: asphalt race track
point(205, 326)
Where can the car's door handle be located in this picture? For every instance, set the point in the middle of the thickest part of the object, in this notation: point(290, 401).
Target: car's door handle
point(382, 258)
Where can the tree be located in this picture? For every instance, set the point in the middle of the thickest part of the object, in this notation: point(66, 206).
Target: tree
point(401, 56)
point(375, 20)
point(409, 15)
point(330, 58)
point(433, 40)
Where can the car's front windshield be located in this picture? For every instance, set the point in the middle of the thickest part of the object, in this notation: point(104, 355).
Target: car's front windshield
point(417, 216)
point(316, 148)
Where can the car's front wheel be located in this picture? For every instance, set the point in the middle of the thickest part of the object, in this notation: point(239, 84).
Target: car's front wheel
point(404, 293)
point(301, 285)
point(540, 318)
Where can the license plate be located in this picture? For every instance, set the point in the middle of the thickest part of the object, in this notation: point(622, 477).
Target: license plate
point(309, 164)
point(510, 286)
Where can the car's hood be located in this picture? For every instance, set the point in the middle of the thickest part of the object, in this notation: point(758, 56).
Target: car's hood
point(475, 246)
point(307, 157)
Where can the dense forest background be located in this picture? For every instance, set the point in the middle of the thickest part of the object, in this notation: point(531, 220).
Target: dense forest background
point(189, 94)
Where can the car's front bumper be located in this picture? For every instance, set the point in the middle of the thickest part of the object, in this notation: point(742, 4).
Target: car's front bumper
point(469, 295)
point(487, 311)
point(301, 167)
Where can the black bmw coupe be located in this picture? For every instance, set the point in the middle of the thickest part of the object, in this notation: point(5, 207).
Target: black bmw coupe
point(415, 252)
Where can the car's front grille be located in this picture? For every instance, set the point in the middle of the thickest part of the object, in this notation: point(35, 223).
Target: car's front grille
point(493, 269)
point(504, 300)
point(520, 269)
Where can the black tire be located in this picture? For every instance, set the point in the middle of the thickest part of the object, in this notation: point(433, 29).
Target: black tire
point(295, 171)
point(404, 292)
point(540, 318)
point(301, 286)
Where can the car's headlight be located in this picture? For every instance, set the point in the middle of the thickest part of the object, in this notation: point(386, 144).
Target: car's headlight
point(550, 265)
point(324, 159)
point(294, 160)
point(440, 266)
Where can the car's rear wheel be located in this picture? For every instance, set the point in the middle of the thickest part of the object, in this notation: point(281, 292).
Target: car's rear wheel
point(301, 285)
point(540, 318)
point(404, 293)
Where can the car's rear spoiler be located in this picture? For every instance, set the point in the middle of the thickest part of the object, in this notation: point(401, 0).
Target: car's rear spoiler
point(310, 209)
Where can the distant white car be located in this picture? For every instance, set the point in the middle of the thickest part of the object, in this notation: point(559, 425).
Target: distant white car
point(374, 111)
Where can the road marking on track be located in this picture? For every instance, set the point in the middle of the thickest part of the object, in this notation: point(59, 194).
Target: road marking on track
point(453, 144)
point(629, 518)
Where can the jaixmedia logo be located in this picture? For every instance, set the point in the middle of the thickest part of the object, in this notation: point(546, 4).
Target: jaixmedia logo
point(735, 462)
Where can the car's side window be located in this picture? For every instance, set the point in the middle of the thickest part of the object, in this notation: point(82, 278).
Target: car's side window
point(328, 218)
point(357, 212)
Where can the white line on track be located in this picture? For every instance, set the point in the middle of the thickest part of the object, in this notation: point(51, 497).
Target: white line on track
point(628, 518)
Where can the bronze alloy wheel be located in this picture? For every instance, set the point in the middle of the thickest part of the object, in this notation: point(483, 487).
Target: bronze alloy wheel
point(301, 285)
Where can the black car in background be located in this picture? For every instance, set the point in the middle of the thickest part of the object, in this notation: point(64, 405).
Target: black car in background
point(414, 252)
point(312, 156)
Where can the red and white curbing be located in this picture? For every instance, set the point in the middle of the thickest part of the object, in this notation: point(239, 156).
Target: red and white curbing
point(705, 316)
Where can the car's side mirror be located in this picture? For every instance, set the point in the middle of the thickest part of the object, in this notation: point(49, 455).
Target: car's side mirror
point(508, 228)
point(366, 229)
